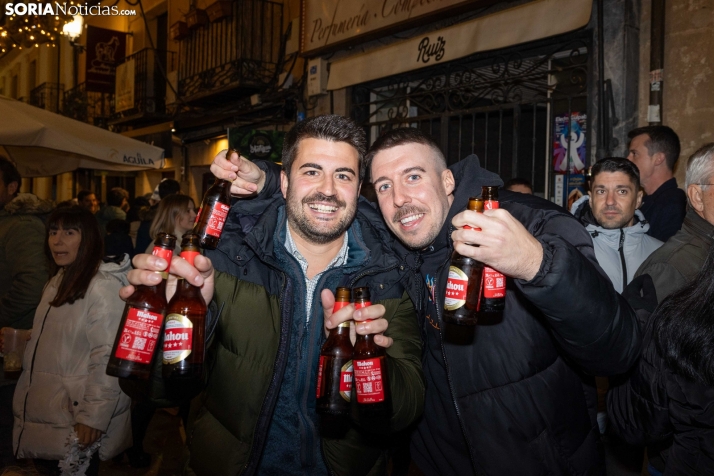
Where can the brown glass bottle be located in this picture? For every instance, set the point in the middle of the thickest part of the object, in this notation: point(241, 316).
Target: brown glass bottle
point(494, 283)
point(371, 378)
point(142, 322)
point(213, 212)
point(334, 373)
point(185, 330)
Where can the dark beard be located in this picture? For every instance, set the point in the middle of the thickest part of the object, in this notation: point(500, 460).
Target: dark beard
point(305, 228)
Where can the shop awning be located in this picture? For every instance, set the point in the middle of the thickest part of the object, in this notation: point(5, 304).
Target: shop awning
point(528, 22)
point(42, 143)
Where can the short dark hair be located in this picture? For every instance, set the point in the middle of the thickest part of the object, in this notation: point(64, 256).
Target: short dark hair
point(617, 164)
point(331, 127)
point(116, 196)
point(169, 187)
point(79, 274)
point(84, 194)
point(661, 139)
point(403, 136)
point(517, 181)
point(9, 172)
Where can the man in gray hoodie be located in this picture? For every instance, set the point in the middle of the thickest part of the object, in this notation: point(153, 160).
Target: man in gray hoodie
point(611, 216)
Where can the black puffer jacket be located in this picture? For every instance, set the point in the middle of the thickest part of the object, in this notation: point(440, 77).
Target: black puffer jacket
point(656, 406)
point(524, 404)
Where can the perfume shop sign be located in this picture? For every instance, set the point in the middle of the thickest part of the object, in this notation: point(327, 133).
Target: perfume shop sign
point(327, 23)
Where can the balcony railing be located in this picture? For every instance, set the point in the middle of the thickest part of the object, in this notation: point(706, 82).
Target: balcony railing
point(47, 96)
point(149, 84)
point(88, 106)
point(238, 51)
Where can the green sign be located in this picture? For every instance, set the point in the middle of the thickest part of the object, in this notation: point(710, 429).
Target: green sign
point(255, 144)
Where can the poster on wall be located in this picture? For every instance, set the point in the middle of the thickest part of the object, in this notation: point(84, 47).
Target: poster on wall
point(569, 189)
point(569, 144)
point(256, 144)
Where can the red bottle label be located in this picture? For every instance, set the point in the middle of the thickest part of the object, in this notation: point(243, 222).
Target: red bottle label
point(320, 368)
point(456, 288)
point(368, 378)
point(360, 305)
point(139, 336)
point(165, 254)
point(346, 381)
point(494, 283)
point(189, 256)
point(217, 219)
point(178, 338)
point(490, 204)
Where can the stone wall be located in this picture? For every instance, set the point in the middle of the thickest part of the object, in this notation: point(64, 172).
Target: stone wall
point(688, 102)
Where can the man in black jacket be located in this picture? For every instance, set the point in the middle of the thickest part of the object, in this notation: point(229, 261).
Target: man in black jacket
point(509, 397)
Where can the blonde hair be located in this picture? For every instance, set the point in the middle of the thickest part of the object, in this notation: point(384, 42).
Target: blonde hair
point(170, 208)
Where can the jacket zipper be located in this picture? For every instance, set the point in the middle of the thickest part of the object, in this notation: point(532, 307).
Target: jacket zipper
point(446, 364)
point(262, 430)
point(622, 259)
point(29, 383)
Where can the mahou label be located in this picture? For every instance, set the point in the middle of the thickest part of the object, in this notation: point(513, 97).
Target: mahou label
point(346, 381)
point(139, 336)
point(490, 204)
point(494, 283)
point(368, 378)
point(217, 218)
point(456, 287)
point(178, 337)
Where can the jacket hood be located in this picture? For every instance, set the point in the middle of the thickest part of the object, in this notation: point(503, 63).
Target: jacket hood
point(583, 212)
point(117, 270)
point(28, 204)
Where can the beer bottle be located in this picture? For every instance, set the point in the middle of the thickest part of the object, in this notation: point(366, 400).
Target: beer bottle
point(471, 289)
point(142, 321)
point(334, 373)
point(374, 400)
point(494, 283)
point(184, 329)
point(213, 211)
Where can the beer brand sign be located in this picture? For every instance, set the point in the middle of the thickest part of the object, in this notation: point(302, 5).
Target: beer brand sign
point(327, 23)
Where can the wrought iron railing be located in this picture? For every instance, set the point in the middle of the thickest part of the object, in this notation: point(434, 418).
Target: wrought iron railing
point(149, 87)
point(88, 106)
point(47, 96)
point(241, 50)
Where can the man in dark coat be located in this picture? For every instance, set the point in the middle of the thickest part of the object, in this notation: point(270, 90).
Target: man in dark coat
point(510, 396)
point(655, 150)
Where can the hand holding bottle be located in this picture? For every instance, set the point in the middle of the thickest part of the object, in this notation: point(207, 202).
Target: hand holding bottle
point(504, 243)
point(145, 267)
point(373, 314)
point(246, 177)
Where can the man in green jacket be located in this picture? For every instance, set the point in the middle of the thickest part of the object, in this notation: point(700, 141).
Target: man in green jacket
point(272, 275)
point(681, 258)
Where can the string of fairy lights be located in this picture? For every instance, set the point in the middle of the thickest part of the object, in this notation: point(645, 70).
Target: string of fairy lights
point(24, 31)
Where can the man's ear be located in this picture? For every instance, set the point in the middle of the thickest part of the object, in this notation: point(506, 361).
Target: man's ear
point(447, 179)
point(284, 183)
point(658, 158)
point(12, 188)
point(695, 196)
point(640, 195)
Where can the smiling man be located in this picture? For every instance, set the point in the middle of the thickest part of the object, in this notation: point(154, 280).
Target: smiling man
point(279, 258)
point(610, 214)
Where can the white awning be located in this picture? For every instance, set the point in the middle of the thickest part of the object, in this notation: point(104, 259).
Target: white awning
point(42, 143)
point(528, 22)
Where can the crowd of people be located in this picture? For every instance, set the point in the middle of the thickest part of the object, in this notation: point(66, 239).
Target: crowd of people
point(607, 324)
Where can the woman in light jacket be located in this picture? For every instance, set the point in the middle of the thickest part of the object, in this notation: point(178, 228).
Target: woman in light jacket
point(64, 385)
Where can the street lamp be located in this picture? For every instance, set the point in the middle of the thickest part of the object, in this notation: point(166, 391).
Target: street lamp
point(73, 29)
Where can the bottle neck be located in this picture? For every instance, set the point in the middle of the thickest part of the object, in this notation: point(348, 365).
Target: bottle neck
point(186, 289)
